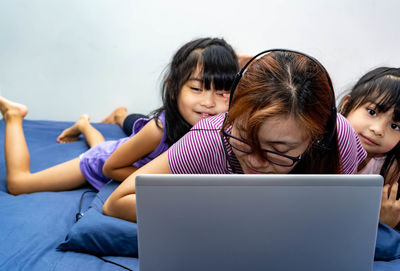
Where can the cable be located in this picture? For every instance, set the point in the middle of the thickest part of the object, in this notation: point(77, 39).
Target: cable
point(79, 214)
point(117, 264)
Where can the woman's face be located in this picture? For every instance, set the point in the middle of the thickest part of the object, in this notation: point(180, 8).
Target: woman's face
point(282, 134)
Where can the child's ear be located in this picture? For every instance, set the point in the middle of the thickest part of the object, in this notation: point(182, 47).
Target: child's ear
point(345, 101)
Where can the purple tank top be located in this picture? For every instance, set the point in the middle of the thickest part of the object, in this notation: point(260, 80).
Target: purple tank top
point(92, 161)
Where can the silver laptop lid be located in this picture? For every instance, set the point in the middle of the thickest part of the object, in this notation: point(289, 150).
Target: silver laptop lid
point(257, 222)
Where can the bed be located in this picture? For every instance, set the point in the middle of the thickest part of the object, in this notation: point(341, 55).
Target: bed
point(32, 226)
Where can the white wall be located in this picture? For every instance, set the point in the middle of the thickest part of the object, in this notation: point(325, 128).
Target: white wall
point(64, 58)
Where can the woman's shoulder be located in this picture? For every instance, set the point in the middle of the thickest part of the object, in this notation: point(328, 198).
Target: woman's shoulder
point(200, 150)
point(345, 130)
point(351, 151)
point(210, 123)
point(342, 123)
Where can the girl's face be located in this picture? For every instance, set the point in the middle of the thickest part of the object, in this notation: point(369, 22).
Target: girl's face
point(196, 103)
point(281, 134)
point(377, 131)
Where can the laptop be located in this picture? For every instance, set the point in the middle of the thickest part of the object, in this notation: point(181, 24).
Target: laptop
point(257, 222)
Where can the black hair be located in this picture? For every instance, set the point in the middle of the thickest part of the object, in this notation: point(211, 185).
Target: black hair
point(380, 86)
point(219, 65)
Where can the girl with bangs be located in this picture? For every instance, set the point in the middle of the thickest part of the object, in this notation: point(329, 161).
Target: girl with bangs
point(373, 109)
point(282, 119)
point(196, 86)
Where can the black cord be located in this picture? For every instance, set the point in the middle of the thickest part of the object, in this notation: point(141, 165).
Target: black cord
point(117, 264)
point(79, 214)
point(228, 158)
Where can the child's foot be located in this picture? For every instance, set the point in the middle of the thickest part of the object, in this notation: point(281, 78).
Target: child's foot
point(11, 109)
point(72, 133)
point(116, 115)
point(243, 59)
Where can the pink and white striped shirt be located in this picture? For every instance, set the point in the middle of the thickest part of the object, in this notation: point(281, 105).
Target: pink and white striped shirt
point(201, 150)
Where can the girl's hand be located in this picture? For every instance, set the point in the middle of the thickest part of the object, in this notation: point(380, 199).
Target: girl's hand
point(390, 207)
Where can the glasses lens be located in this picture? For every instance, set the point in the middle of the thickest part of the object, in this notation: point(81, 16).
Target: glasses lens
point(278, 159)
point(272, 157)
point(239, 145)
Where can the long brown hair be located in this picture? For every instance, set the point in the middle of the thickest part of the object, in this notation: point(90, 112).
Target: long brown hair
point(288, 84)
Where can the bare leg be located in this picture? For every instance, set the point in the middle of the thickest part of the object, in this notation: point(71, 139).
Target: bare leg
point(82, 126)
point(19, 178)
point(117, 116)
point(15, 148)
point(61, 177)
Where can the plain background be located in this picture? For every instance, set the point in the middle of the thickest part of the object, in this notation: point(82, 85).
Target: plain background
point(64, 58)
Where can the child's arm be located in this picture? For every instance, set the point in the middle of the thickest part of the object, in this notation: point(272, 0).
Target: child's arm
point(390, 207)
point(119, 165)
point(122, 202)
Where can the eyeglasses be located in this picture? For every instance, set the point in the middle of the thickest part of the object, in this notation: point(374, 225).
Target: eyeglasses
point(276, 158)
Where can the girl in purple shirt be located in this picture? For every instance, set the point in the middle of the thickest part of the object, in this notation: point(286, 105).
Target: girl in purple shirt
point(195, 87)
point(282, 119)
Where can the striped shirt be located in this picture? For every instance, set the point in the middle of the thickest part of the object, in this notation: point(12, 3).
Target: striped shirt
point(201, 150)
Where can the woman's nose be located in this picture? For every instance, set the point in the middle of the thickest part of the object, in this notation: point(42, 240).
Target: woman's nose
point(256, 162)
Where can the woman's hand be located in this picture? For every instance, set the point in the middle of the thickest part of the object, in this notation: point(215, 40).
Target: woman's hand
point(390, 207)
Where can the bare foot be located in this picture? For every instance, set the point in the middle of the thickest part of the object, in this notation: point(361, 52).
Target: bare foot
point(72, 133)
point(116, 116)
point(11, 109)
point(243, 59)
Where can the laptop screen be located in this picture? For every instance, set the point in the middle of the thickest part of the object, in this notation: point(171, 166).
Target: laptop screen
point(257, 222)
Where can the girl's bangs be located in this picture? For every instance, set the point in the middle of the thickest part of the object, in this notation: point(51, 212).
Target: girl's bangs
point(219, 68)
point(385, 94)
point(388, 97)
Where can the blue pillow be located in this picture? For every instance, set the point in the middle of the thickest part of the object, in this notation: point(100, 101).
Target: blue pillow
point(387, 243)
point(97, 234)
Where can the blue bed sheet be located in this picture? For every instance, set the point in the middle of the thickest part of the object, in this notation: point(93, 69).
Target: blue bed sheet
point(33, 225)
point(393, 265)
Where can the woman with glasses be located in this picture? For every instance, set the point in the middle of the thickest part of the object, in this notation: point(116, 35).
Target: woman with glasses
point(282, 119)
